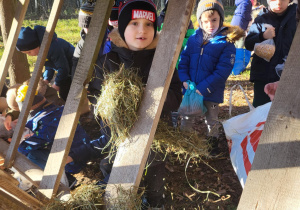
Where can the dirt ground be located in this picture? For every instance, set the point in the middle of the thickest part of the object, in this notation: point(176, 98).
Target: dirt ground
point(214, 175)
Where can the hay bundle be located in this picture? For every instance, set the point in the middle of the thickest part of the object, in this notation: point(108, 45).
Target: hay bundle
point(92, 197)
point(182, 143)
point(119, 101)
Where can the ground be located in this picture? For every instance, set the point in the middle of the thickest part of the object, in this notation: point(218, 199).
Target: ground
point(214, 175)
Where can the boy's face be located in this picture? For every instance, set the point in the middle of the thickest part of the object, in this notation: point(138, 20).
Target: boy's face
point(210, 22)
point(279, 6)
point(33, 52)
point(139, 34)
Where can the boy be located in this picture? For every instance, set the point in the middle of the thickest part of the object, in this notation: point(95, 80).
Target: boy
point(133, 44)
point(43, 121)
point(281, 16)
point(59, 57)
point(207, 60)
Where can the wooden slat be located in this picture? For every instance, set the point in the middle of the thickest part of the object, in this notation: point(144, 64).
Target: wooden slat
point(4, 175)
point(77, 94)
point(273, 182)
point(37, 73)
point(29, 170)
point(8, 202)
point(131, 157)
point(12, 40)
point(20, 194)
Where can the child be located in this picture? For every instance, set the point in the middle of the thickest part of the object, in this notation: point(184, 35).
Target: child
point(133, 45)
point(43, 121)
point(59, 57)
point(281, 16)
point(207, 60)
point(242, 14)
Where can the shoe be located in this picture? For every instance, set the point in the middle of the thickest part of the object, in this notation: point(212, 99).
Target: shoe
point(213, 146)
point(72, 181)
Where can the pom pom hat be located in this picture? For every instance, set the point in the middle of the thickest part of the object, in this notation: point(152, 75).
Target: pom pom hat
point(135, 9)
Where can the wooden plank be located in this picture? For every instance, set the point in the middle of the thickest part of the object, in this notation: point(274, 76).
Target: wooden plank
point(12, 40)
point(20, 194)
point(9, 202)
point(273, 182)
point(37, 73)
point(131, 157)
point(70, 116)
point(29, 170)
point(5, 176)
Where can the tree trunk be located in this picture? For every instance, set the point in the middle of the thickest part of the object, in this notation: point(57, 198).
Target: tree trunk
point(19, 68)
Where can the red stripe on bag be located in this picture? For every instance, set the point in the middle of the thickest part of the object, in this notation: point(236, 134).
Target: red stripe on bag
point(255, 136)
point(247, 163)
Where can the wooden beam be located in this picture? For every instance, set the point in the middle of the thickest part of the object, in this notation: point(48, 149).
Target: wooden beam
point(132, 155)
point(70, 116)
point(12, 40)
point(9, 178)
point(273, 182)
point(37, 73)
point(9, 202)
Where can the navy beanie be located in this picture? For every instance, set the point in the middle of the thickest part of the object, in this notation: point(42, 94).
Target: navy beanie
point(85, 14)
point(27, 40)
point(135, 9)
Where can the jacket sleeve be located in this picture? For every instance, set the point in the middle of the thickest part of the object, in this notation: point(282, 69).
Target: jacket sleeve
point(184, 63)
point(89, 151)
point(58, 57)
point(254, 36)
point(174, 95)
point(14, 114)
point(76, 55)
point(220, 73)
point(48, 73)
point(95, 85)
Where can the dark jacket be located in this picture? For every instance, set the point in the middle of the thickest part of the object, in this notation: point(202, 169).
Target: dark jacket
point(59, 57)
point(242, 14)
point(105, 48)
point(120, 54)
point(209, 64)
point(43, 122)
point(285, 28)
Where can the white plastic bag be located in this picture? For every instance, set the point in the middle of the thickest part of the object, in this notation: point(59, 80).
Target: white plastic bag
point(243, 134)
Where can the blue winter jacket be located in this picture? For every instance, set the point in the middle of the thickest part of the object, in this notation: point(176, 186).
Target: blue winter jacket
point(59, 57)
point(285, 28)
point(242, 13)
point(43, 123)
point(208, 65)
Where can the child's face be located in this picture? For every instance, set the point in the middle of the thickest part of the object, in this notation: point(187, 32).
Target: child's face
point(279, 6)
point(210, 22)
point(33, 52)
point(139, 34)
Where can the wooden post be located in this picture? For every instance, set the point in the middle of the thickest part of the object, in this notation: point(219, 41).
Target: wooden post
point(273, 182)
point(9, 202)
point(70, 116)
point(12, 40)
point(37, 73)
point(131, 157)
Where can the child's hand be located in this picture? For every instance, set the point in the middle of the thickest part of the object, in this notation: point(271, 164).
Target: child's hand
point(197, 91)
point(270, 89)
point(69, 159)
point(185, 85)
point(55, 87)
point(269, 33)
point(7, 122)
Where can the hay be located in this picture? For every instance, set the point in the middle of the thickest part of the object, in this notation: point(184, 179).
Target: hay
point(119, 101)
point(91, 196)
point(181, 143)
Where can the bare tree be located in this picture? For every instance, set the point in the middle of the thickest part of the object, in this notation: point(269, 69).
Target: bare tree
point(19, 68)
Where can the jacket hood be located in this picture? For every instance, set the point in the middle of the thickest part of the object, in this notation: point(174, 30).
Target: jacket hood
point(233, 33)
point(116, 38)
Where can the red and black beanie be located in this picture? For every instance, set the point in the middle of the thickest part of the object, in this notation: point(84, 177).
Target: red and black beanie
point(135, 9)
point(113, 19)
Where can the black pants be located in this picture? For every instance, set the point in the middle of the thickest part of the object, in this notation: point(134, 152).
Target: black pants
point(64, 88)
point(260, 97)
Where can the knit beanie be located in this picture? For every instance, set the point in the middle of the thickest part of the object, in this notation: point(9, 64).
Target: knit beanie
point(135, 9)
point(27, 40)
point(205, 5)
point(21, 93)
point(113, 19)
point(85, 14)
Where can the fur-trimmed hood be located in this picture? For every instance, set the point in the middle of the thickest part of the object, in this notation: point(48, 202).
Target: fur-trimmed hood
point(233, 33)
point(115, 38)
